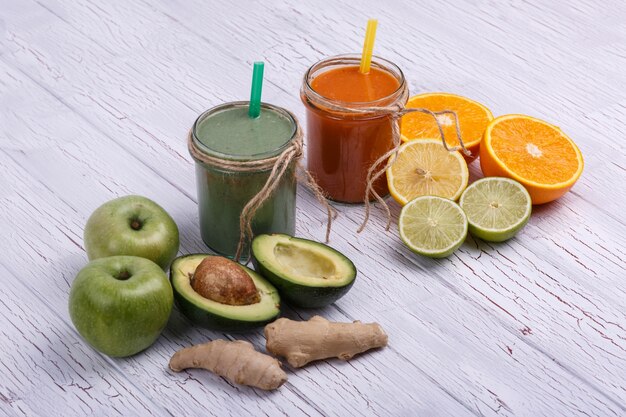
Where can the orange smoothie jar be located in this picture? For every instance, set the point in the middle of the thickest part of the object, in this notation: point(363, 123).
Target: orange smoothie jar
point(341, 146)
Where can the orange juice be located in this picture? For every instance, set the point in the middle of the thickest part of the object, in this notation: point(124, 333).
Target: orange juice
point(341, 147)
point(348, 84)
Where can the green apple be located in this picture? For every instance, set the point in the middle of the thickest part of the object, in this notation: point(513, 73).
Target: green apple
point(120, 304)
point(133, 226)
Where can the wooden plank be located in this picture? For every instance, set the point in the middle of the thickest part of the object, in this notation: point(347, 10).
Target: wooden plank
point(58, 253)
point(45, 363)
point(568, 294)
point(578, 249)
point(482, 396)
point(56, 249)
point(174, 53)
point(421, 334)
point(186, 181)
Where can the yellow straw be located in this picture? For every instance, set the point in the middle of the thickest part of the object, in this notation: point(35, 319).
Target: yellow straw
point(368, 46)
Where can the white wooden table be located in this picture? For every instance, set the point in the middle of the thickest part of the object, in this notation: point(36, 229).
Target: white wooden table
point(96, 98)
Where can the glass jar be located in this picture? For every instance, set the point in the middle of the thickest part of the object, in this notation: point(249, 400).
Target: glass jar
point(342, 146)
point(223, 192)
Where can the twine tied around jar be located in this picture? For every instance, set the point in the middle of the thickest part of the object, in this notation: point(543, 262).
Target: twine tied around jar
point(395, 112)
point(279, 165)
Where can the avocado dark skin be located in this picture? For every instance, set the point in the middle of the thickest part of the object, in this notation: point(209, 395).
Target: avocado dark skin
point(215, 315)
point(308, 274)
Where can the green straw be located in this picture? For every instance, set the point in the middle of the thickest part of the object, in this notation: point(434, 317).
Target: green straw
point(255, 94)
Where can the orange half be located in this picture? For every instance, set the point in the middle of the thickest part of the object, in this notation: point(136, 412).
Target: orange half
point(533, 152)
point(473, 120)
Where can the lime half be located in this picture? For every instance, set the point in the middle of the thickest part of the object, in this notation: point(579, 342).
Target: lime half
point(432, 226)
point(497, 208)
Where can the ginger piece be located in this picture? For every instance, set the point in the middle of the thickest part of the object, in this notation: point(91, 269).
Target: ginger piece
point(236, 361)
point(301, 342)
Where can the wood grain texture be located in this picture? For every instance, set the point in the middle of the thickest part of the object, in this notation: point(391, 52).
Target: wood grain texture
point(61, 242)
point(96, 99)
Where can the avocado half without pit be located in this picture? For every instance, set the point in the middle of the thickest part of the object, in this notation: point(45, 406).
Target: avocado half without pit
point(307, 274)
point(219, 294)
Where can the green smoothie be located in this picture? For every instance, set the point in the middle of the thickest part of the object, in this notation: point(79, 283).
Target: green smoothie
point(234, 135)
point(226, 132)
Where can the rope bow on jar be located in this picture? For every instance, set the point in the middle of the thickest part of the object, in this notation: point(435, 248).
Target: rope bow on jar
point(395, 111)
point(279, 166)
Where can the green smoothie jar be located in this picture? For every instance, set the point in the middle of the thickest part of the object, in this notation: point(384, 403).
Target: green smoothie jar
point(222, 141)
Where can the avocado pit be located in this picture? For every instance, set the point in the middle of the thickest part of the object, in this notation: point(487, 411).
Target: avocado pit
point(215, 315)
point(224, 281)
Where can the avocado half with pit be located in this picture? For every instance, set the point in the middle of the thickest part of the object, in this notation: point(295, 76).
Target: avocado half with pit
point(215, 315)
point(307, 274)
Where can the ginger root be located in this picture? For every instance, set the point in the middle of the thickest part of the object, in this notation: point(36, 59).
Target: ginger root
point(301, 342)
point(236, 361)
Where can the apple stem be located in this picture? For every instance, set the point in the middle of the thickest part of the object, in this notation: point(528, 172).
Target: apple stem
point(123, 275)
point(135, 224)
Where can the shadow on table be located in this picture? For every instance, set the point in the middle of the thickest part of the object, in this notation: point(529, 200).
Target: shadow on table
point(189, 231)
point(71, 265)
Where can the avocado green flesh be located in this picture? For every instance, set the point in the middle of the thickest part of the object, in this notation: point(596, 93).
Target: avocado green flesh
point(218, 316)
point(307, 273)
